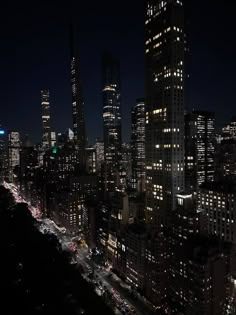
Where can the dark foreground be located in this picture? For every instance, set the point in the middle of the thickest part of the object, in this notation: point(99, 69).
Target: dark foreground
point(36, 275)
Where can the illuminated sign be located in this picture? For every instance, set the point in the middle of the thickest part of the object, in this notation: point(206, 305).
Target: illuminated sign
point(2, 132)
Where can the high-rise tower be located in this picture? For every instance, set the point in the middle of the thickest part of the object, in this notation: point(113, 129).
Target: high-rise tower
point(138, 145)
point(3, 153)
point(199, 148)
point(111, 117)
point(77, 99)
point(13, 153)
point(165, 84)
point(46, 126)
point(165, 77)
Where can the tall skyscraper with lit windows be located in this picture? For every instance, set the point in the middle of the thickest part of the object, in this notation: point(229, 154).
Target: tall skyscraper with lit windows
point(165, 52)
point(46, 124)
point(165, 83)
point(199, 148)
point(111, 118)
point(3, 153)
point(138, 145)
point(77, 99)
point(99, 147)
point(13, 153)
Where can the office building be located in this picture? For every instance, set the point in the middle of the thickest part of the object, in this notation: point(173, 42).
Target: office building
point(229, 131)
point(202, 278)
point(61, 163)
point(28, 169)
point(225, 159)
point(217, 201)
point(165, 78)
point(118, 220)
point(77, 100)
point(201, 266)
point(111, 119)
point(90, 160)
point(165, 43)
point(13, 153)
point(70, 210)
point(138, 145)
point(46, 120)
point(99, 147)
point(125, 172)
point(3, 153)
point(217, 205)
point(135, 245)
point(102, 223)
point(63, 139)
point(53, 138)
point(199, 148)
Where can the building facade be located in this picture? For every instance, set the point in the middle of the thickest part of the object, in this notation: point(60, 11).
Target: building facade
point(111, 118)
point(46, 120)
point(199, 148)
point(165, 44)
point(99, 148)
point(225, 159)
point(201, 265)
point(90, 160)
point(3, 154)
point(138, 145)
point(217, 201)
point(229, 131)
point(13, 152)
point(77, 100)
point(165, 78)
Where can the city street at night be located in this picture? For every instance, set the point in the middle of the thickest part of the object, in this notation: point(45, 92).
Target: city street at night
point(118, 289)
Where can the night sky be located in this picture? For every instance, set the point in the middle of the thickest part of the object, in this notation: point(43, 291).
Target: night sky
point(35, 54)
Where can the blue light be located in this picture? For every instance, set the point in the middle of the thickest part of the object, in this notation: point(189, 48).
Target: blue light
point(2, 132)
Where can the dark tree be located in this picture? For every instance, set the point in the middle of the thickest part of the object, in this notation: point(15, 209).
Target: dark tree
point(36, 276)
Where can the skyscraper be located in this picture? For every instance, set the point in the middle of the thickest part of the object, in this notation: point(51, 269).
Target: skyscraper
point(28, 170)
point(111, 117)
point(99, 147)
point(46, 125)
point(165, 44)
point(77, 100)
point(90, 160)
point(199, 148)
point(165, 78)
point(138, 145)
point(3, 153)
point(13, 152)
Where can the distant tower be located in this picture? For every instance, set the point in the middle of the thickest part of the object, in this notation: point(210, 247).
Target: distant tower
point(46, 126)
point(99, 147)
point(3, 153)
point(77, 99)
point(13, 152)
point(138, 145)
point(111, 117)
point(199, 148)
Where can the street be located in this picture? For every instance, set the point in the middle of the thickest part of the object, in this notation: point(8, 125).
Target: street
point(102, 279)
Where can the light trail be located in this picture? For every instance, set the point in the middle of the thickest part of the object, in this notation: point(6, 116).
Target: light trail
point(48, 226)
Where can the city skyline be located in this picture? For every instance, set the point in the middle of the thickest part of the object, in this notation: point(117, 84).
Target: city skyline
point(51, 36)
point(146, 217)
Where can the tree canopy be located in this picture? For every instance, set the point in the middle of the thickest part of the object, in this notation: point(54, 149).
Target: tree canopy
point(36, 276)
